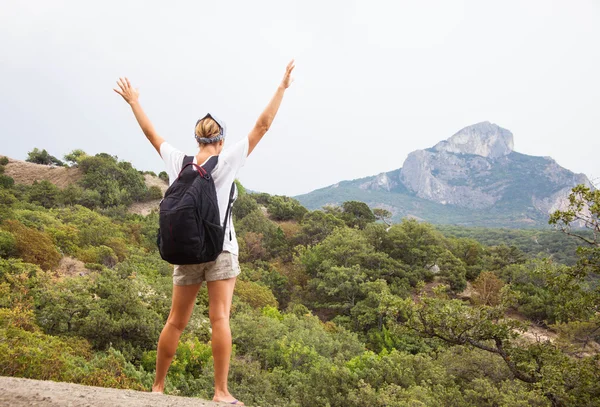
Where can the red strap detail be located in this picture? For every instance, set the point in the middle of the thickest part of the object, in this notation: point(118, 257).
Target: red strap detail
point(200, 170)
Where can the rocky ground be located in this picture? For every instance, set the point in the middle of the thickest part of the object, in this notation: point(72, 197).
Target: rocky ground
point(16, 392)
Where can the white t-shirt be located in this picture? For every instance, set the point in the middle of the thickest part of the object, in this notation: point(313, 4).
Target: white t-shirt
point(230, 161)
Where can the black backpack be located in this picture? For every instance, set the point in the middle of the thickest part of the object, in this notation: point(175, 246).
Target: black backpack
point(189, 223)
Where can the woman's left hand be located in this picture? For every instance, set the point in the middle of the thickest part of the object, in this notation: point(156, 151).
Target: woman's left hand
point(128, 93)
point(287, 78)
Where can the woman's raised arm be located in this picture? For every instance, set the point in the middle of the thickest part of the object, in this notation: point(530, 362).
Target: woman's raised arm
point(131, 96)
point(266, 118)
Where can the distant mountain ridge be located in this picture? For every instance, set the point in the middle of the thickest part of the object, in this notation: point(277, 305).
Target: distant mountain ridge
point(474, 178)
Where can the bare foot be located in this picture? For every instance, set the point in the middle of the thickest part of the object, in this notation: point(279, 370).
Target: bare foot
point(229, 399)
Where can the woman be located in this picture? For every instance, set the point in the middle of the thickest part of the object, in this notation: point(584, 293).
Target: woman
point(220, 275)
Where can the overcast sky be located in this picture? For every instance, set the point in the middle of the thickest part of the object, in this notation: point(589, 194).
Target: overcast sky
point(375, 80)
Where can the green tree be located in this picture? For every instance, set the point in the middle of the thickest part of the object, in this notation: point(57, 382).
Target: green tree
point(486, 328)
point(284, 208)
point(487, 289)
point(42, 157)
point(74, 157)
point(580, 310)
point(357, 214)
point(383, 215)
point(583, 210)
point(316, 226)
point(339, 287)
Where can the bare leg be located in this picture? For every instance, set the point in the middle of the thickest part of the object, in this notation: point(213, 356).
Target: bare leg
point(220, 294)
point(184, 298)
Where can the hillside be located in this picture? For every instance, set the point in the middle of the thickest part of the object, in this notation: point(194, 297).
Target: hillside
point(331, 308)
point(474, 178)
point(27, 173)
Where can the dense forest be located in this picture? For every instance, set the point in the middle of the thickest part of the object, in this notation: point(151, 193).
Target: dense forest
point(334, 307)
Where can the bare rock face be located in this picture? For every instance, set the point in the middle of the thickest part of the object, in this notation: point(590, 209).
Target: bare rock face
point(448, 172)
point(447, 178)
point(558, 200)
point(382, 181)
point(485, 139)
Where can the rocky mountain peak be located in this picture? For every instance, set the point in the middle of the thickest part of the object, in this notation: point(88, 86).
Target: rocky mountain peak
point(484, 139)
point(472, 178)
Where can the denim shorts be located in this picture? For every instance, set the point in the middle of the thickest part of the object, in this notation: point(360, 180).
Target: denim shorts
point(226, 266)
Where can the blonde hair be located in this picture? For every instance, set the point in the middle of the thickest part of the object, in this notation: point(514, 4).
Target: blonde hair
point(207, 128)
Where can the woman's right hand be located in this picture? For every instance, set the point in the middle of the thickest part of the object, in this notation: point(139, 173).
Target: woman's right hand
point(287, 78)
point(128, 93)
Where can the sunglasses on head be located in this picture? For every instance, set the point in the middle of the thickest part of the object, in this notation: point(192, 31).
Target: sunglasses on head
point(221, 136)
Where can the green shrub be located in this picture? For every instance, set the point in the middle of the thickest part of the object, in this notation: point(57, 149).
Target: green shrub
point(243, 206)
point(240, 188)
point(66, 238)
point(154, 192)
point(6, 181)
point(44, 193)
point(36, 218)
point(19, 283)
point(119, 247)
point(272, 235)
point(8, 244)
point(33, 246)
point(285, 208)
point(258, 296)
point(76, 195)
point(94, 228)
point(262, 198)
point(7, 198)
point(118, 183)
point(106, 308)
point(164, 176)
point(103, 255)
point(27, 352)
point(3, 160)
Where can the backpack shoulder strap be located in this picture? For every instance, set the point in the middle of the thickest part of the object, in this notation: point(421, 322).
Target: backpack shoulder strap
point(187, 160)
point(211, 164)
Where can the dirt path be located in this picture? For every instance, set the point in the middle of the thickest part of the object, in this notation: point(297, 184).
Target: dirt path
point(16, 392)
